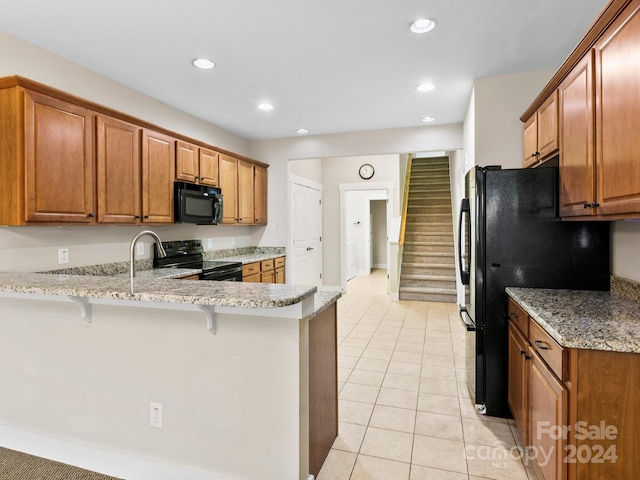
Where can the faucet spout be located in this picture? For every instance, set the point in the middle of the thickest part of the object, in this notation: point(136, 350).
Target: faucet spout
point(132, 248)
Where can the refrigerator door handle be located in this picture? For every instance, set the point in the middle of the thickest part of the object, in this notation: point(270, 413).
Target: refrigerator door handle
point(464, 208)
point(466, 320)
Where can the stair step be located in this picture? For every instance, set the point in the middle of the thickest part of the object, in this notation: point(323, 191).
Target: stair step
point(428, 297)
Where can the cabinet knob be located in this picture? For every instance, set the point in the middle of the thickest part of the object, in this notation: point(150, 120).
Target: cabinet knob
point(137, 217)
point(90, 215)
point(595, 204)
point(522, 352)
point(146, 216)
point(586, 204)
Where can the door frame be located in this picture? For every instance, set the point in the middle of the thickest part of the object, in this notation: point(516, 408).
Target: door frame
point(304, 182)
point(344, 188)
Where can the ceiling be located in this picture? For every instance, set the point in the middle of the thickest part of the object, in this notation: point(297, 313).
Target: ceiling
point(330, 66)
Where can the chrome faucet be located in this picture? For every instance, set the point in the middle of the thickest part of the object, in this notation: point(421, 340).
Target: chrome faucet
point(160, 253)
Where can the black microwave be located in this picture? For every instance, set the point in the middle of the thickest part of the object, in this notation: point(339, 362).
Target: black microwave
point(197, 204)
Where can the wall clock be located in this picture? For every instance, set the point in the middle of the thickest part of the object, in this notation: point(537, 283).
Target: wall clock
point(366, 171)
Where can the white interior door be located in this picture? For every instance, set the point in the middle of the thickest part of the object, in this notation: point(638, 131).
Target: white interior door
point(306, 225)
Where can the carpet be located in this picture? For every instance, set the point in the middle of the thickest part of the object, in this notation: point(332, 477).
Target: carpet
point(21, 466)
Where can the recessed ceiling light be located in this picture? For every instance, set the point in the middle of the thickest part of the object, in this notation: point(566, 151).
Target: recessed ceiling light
point(265, 106)
point(423, 25)
point(425, 87)
point(427, 119)
point(203, 63)
point(302, 131)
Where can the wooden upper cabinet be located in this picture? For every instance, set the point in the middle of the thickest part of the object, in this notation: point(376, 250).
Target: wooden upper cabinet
point(158, 153)
point(209, 167)
point(245, 193)
point(530, 141)
point(118, 162)
point(228, 171)
point(187, 167)
point(58, 160)
point(196, 164)
point(577, 141)
point(540, 133)
point(260, 180)
point(617, 73)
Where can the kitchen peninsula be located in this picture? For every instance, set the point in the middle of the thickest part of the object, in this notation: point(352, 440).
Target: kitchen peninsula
point(237, 369)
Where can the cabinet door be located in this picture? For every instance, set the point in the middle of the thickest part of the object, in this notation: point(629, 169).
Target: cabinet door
point(158, 153)
point(245, 193)
point(268, 277)
point(58, 161)
point(548, 126)
point(519, 379)
point(228, 171)
point(208, 167)
point(577, 158)
point(617, 117)
point(280, 275)
point(530, 141)
point(118, 161)
point(547, 417)
point(260, 195)
point(186, 162)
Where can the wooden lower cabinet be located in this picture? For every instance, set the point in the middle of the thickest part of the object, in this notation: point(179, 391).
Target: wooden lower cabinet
point(576, 410)
point(266, 271)
point(547, 416)
point(323, 386)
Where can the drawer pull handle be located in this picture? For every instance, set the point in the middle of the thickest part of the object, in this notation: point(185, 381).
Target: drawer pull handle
point(514, 315)
point(541, 346)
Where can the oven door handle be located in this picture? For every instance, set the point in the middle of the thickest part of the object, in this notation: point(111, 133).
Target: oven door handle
point(469, 325)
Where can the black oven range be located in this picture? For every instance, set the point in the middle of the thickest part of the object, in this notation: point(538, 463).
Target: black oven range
point(189, 254)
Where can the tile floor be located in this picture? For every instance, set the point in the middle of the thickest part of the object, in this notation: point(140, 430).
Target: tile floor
point(404, 410)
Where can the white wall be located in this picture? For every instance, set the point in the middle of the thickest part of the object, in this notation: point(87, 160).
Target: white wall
point(498, 104)
point(310, 168)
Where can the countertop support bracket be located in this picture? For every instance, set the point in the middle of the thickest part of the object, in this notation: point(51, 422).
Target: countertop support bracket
point(85, 307)
point(210, 315)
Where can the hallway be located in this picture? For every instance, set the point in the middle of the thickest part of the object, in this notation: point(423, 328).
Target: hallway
point(404, 410)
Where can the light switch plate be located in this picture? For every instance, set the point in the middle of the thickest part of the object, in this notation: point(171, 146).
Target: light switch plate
point(140, 248)
point(63, 256)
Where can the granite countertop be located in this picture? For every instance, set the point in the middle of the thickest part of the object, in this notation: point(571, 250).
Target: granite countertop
point(583, 319)
point(229, 294)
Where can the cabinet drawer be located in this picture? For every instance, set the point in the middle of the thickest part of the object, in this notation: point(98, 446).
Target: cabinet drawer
point(279, 262)
point(255, 278)
point(250, 269)
point(519, 317)
point(267, 265)
point(548, 349)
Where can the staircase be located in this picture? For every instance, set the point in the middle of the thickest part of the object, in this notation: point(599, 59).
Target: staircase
point(428, 270)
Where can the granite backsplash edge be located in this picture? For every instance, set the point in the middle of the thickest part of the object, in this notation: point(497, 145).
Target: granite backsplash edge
point(625, 288)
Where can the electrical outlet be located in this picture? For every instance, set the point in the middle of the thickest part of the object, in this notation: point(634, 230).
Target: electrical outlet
point(155, 415)
point(209, 243)
point(63, 255)
point(139, 248)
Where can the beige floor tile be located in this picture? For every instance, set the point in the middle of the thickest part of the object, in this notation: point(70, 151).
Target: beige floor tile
point(425, 473)
point(495, 463)
point(359, 393)
point(439, 348)
point(354, 412)
point(388, 444)
point(350, 437)
point(404, 368)
point(372, 468)
point(429, 402)
point(385, 337)
point(443, 373)
point(383, 344)
point(366, 377)
point(377, 353)
point(437, 386)
point(492, 434)
point(350, 351)
point(343, 373)
point(438, 360)
point(409, 347)
point(372, 364)
point(393, 418)
point(394, 397)
point(352, 341)
point(439, 425)
point(468, 410)
point(439, 453)
point(407, 357)
point(347, 362)
point(337, 466)
point(401, 382)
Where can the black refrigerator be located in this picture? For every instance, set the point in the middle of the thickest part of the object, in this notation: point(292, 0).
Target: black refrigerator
point(511, 235)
